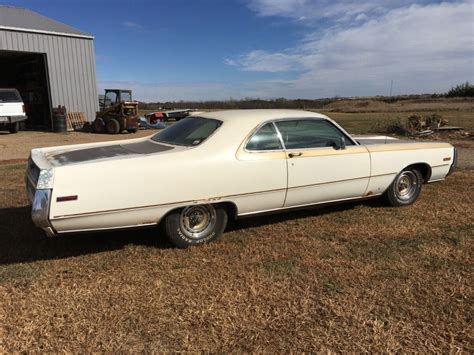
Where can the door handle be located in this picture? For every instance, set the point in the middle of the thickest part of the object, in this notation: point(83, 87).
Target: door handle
point(292, 155)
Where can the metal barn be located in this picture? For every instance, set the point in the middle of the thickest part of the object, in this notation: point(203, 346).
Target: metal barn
point(49, 63)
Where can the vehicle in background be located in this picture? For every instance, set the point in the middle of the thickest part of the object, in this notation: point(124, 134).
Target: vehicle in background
point(12, 110)
point(118, 112)
point(166, 115)
point(223, 165)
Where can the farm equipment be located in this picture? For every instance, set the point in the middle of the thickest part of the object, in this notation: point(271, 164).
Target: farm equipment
point(118, 112)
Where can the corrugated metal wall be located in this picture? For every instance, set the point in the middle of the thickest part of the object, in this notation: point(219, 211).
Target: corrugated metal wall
point(71, 66)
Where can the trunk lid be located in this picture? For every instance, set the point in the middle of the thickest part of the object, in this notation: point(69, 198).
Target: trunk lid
point(106, 152)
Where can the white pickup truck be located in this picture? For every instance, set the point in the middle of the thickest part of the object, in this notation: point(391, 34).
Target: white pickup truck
point(12, 110)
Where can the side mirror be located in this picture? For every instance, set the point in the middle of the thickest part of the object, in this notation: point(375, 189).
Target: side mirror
point(339, 145)
point(342, 144)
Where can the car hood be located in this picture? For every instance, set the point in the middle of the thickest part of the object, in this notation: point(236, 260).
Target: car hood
point(108, 152)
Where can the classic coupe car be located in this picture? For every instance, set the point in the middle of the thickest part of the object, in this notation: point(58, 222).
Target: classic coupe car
point(223, 165)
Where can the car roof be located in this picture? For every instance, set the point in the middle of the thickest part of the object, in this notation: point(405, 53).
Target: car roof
point(238, 124)
point(256, 117)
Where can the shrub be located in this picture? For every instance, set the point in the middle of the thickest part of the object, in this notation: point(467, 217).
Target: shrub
point(461, 90)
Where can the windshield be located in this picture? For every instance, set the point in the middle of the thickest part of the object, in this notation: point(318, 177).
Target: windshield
point(9, 96)
point(126, 96)
point(190, 131)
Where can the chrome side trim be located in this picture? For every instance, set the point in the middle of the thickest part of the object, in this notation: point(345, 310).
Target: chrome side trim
point(309, 204)
point(135, 226)
point(437, 180)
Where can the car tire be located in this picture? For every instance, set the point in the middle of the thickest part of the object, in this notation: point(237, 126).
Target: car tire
point(195, 224)
point(14, 127)
point(112, 126)
point(405, 189)
point(98, 125)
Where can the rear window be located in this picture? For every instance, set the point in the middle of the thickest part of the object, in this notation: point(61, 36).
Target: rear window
point(190, 131)
point(9, 96)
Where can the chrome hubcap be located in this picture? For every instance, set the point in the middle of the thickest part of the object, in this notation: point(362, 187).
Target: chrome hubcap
point(198, 221)
point(406, 185)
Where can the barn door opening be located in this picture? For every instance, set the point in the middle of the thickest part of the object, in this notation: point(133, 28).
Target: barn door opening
point(28, 73)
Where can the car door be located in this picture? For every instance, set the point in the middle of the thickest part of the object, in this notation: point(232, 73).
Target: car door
point(324, 163)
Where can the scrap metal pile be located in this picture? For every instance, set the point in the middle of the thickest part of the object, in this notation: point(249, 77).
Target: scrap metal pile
point(420, 125)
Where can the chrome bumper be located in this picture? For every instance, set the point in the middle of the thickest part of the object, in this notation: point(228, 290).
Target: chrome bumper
point(454, 163)
point(40, 202)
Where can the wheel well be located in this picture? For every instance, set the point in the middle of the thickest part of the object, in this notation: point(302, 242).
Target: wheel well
point(423, 168)
point(230, 208)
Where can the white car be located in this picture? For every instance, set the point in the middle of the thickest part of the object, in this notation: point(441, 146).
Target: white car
point(201, 171)
point(12, 110)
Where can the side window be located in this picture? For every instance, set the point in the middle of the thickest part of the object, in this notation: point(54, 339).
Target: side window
point(110, 99)
point(266, 138)
point(310, 133)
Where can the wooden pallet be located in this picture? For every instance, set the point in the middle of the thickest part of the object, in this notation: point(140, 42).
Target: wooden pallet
point(75, 121)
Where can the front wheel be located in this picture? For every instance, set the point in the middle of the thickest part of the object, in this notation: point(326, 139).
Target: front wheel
point(195, 224)
point(405, 189)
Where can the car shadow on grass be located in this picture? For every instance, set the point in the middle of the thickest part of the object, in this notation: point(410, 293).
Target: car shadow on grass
point(299, 213)
point(21, 241)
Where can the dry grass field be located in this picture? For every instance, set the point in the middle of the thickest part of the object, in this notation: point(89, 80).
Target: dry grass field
point(357, 277)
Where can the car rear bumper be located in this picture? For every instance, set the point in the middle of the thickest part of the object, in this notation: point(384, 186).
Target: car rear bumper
point(454, 163)
point(40, 203)
point(13, 119)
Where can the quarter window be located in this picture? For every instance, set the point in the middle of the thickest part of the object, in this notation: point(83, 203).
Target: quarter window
point(266, 138)
point(298, 134)
point(188, 132)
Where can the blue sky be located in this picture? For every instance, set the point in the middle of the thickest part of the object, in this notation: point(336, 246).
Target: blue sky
point(217, 49)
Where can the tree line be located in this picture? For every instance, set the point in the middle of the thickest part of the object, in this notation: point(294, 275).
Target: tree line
point(461, 90)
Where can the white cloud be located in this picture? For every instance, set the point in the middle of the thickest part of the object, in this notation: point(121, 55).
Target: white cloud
point(422, 48)
point(260, 60)
point(341, 10)
point(133, 25)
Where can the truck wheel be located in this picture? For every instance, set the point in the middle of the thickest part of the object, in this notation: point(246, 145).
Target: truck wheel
point(14, 127)
point(98, 125)
point(405, 189)
point(112, 126)
point(195, 224)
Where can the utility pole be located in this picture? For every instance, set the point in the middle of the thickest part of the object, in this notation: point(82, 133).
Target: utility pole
point(391, 87)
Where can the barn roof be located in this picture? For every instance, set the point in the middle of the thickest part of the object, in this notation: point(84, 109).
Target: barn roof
point(25, 20)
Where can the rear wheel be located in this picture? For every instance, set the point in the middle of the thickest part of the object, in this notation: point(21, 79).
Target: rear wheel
point(112, 126)
point(405, 189)
point(14, 127)
point(195, 224)
point(98, 125)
